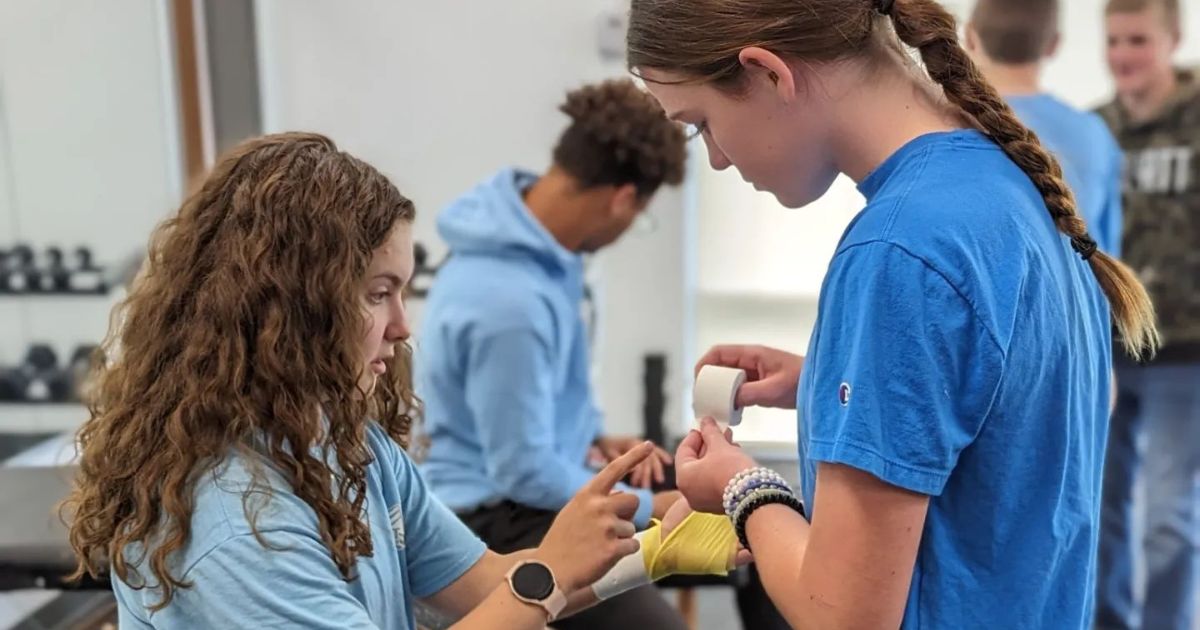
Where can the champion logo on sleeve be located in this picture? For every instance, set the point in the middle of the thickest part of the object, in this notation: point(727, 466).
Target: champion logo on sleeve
point(844, 394)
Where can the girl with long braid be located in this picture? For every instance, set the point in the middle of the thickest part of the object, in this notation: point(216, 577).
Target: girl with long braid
point(953, 401)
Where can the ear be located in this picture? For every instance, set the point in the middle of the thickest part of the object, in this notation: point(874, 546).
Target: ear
point(764, 64)
point(972, 40)
point(624, 200)
point(1052, 47)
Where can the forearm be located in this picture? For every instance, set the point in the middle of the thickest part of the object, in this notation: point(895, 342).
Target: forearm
point(501, 609)
point(779, 538)
point(818, 590)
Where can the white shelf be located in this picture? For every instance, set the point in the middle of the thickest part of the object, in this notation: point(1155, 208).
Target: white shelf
point(41, 418)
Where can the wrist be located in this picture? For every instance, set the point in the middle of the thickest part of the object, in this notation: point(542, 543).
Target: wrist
point(534, 582)
point(560, 568)
point(628, 573)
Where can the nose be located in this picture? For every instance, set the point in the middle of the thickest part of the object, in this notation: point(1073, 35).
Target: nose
point(398, 328)
point(718, 160)
point(716, 157)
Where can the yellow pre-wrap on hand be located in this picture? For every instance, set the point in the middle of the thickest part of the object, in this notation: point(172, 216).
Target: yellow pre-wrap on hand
point(703, 544)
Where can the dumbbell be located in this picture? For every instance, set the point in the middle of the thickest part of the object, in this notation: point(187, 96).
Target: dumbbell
point(38, 378)
point(86, 277)
point(15, 277)
point(55, 277)
point(4, 256)
point(39, 368)
point(12, 385)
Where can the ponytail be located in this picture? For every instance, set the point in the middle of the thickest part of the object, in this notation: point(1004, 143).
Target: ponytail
point(930, 29)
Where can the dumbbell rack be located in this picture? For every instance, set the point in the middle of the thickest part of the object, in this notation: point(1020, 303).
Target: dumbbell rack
point(61, 299)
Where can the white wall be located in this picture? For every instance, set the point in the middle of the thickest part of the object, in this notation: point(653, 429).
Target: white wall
point(439, 95)
point(90, 120)
point(88, 153)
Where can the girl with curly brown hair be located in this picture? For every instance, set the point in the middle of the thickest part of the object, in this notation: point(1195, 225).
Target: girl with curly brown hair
point(243, 464)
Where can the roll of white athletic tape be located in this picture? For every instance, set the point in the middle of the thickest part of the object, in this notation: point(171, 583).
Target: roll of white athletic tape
point(715, 394)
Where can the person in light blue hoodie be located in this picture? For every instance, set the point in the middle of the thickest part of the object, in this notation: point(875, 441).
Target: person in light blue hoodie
point(503, 361)
point(1010, 41)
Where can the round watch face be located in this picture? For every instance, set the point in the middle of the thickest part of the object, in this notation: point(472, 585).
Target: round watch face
point(533, 581)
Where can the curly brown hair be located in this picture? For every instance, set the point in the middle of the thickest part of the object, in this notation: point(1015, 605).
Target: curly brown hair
point(620, 135)
point(243, 328)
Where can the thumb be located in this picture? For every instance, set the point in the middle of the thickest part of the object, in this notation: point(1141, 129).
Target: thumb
point(712, 433)
point(757, 393)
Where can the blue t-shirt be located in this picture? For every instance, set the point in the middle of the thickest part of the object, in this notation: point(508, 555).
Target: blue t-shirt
point(1090, 159)
point(420, 547)
point(962, 351)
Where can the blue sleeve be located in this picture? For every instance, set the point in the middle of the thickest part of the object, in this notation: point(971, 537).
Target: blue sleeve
point(904, 370)
point(440, 548)
point(510, 391)
point(242, 584)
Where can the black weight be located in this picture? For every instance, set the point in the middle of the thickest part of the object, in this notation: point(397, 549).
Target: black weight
point(60, 386)
point(12, 385)
point(55, 277)
point(41, 358)
point(83, 258)
point(86, 277)
point(6, 258)
point(20, 267)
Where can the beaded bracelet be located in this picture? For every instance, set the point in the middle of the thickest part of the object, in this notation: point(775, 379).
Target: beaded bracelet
point(742, 483)
point(746, 488)
point(760, 492)
point(757, 500)
point(736, 487)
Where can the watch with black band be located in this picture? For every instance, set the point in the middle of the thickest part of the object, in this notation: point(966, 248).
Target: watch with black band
point(533, 583)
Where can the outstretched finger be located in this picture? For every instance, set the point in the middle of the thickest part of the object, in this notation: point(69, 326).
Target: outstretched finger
point(619, 468)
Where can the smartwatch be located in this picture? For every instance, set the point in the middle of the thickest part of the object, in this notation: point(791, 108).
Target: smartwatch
point(533, 583)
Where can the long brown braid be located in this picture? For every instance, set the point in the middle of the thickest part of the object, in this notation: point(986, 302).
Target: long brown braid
point(929, 28)
point(702, 39)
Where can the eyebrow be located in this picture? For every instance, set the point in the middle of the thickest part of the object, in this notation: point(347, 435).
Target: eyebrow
point(393, 278)
point(677, 115)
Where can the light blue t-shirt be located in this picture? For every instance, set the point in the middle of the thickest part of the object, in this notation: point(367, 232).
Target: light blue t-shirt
point(420, 547)
point(962, 351)
point(1090, 158)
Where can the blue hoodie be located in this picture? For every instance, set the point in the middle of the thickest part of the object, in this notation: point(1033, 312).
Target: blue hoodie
point(1090, 158)
point(503, 360)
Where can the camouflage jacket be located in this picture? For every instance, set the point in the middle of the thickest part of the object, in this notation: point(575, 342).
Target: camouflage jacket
point(1161, 226)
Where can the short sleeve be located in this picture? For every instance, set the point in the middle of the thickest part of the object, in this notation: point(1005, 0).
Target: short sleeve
point(904, 371)
point(440, 548)
point(240, 583)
